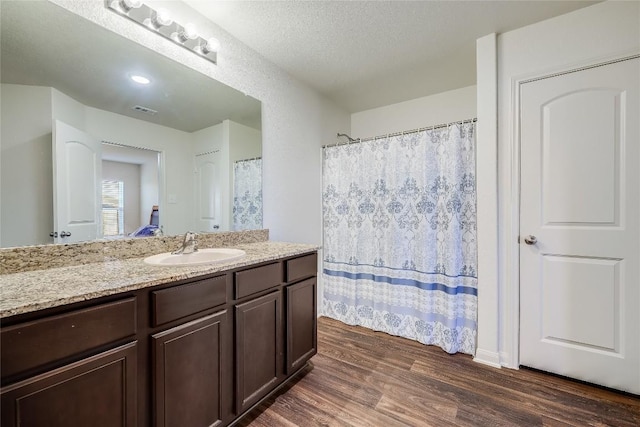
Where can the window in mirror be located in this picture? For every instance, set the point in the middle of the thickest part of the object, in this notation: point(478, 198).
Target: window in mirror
point(112, 208)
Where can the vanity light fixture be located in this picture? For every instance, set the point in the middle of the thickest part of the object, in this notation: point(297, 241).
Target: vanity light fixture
point(160, 22)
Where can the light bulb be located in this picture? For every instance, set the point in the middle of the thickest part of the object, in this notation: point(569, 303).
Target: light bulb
point(189, 32)
point(161, 18)
point(212, 45)
point(127, 5)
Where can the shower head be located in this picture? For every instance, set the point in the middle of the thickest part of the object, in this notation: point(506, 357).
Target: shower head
point(348, 137)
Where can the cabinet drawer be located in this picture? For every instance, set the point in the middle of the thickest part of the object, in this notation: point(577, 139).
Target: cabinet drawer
point(257, 279)
point(39, 342)
point(299, 268)
point(190, 298)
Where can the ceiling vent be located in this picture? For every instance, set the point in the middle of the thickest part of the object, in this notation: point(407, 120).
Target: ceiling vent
point(145, 110)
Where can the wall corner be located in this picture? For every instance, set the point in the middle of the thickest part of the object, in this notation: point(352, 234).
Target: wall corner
point(488, 351)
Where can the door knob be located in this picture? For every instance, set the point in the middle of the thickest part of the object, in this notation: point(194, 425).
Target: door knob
point(530, 240)
point(65, 234)
point(53, 234)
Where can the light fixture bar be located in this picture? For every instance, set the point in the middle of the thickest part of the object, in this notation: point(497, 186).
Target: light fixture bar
point(160, 22)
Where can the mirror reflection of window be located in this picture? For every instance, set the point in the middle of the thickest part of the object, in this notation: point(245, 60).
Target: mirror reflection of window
point(112, 208)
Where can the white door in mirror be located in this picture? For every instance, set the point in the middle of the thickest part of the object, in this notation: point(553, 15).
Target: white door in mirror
point(202, 257)
point(77, 184)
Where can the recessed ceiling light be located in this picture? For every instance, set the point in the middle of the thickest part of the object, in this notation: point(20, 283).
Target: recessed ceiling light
point(140, 79)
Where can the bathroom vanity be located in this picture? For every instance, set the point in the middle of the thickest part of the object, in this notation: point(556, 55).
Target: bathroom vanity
point(131, 344)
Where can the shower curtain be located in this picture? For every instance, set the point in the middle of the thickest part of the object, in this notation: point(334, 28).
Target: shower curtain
point(247, 194)
point(400, 250)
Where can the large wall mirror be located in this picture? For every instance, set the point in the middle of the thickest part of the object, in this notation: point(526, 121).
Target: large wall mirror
point(89, 153)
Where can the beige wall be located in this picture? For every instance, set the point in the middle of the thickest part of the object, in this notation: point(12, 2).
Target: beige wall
point(445, 107)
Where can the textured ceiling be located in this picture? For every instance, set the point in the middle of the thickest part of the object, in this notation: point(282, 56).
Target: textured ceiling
point(365, 54)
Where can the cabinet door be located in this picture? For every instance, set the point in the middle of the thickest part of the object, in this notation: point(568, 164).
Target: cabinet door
point(302, 322)
point(189, 368)
point(98, 391)
point(258, 348)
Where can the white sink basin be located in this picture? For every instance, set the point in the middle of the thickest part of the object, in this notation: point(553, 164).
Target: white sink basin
point(202, 257)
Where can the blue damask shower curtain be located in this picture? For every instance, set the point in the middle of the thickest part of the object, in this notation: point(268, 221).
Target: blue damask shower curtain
point(400, 248)
point(247, 194)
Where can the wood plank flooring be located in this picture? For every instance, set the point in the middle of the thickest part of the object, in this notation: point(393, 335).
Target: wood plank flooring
point(365, 378)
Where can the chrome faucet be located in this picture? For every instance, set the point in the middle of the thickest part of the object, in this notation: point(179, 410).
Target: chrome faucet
point(189, 245)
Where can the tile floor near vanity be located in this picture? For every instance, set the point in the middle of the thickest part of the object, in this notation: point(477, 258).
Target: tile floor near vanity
point(365, 378)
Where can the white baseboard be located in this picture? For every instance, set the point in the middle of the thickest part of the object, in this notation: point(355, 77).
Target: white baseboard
point(489, 358)
point(508, 361)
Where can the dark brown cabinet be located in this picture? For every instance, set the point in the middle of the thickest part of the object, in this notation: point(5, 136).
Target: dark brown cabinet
point(99, 391)
point(189, 369)
point(301, 321)
point(258, 348)
point(196, 352)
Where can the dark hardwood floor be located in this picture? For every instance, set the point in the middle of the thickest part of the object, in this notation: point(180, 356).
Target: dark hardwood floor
point(365, 378)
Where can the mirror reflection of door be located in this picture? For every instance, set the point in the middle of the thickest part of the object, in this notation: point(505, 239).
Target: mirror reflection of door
point(208, 192)
point(76, 184)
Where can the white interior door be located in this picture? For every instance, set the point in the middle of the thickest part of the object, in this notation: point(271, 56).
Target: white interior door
point(580, 191)
point(77, 185)
point(208, 192)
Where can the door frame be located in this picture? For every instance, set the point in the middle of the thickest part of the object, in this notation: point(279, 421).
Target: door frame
point(510, 353)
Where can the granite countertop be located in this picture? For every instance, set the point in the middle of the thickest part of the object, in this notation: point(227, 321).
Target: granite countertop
point(36, 290)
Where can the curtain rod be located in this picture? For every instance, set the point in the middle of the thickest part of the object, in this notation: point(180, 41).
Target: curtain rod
point(248, 160)
point(207, 152)
point(117, 144)
point(406, 132)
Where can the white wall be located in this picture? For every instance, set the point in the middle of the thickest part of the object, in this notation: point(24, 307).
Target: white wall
point(68, 110)
point(591, 35)
point(26, 211)
point(129, 174)
point(296, 121)
point(176, 147)
point(487, 349)
point(244, 142)
point(445, 107)
point(209, 139)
